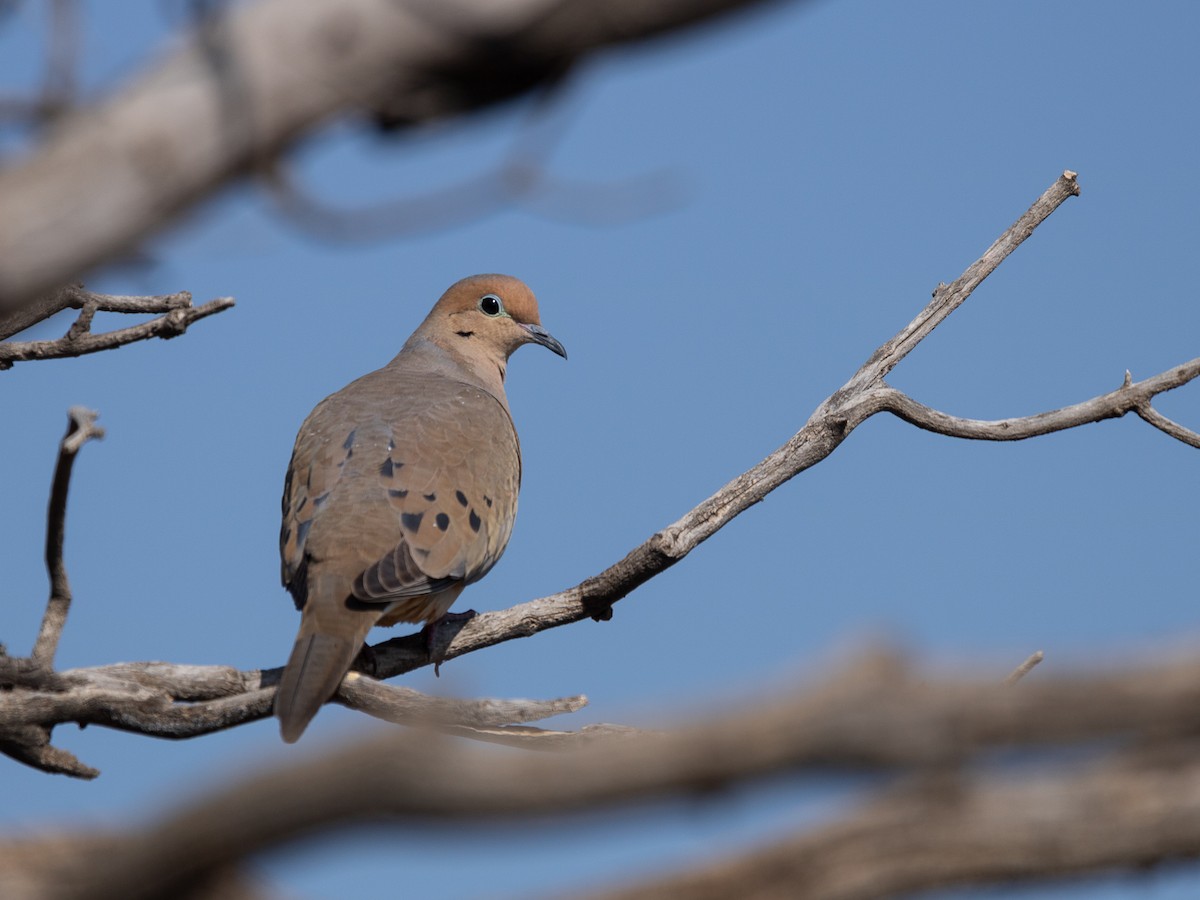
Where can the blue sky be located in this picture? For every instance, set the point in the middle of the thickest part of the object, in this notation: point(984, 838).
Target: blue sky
point(829, 164)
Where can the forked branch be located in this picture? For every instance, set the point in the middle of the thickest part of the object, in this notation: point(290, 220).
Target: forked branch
point(174, 314)
point(183, 701)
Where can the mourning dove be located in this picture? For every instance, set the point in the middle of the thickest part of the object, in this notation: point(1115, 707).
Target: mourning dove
point(402, 488)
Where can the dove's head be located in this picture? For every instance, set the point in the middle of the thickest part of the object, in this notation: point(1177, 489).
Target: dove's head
point(487, 317)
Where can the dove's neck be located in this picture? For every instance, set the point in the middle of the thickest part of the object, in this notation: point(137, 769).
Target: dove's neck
point(470, 363)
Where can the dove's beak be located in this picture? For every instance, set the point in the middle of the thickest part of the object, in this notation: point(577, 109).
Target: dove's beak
point(539, 335)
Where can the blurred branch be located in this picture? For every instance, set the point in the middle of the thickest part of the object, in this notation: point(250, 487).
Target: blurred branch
point(874, 716)
point(521, 179)
point(404, 706)
point(515, 182)
point(1025, 668)
point(953, 830)
point(242, 90)
point(176, 309)
point(59, 87)
point(63, 47)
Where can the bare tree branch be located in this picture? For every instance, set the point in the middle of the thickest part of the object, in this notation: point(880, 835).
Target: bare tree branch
point(152, 699)
point(864, 395)
point(402, 705)
point(76, 296)
point(949, 831)
point(43, 308)
point(1153, 417)
point(81, 428)
point(31, 745)
point(181, 702)
point(1130, 397)
point(244, 88)
point(26, 740)
point(177, 309)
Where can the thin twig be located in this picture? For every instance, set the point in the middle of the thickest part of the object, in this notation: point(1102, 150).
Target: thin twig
point(1025, 668)
point(179, 702)
point(121, 303)
point(949, 297)
point(1152, 416)
point(81, 429)
point(1130, 397)
point(543, 739)
point(402, 705)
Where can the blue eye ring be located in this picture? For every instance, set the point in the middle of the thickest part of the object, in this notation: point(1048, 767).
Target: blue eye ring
point(491, 305)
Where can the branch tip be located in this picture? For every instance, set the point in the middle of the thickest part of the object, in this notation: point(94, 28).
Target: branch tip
point(1025, 668)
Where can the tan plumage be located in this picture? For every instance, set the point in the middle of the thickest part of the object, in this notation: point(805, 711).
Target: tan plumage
point(402, 488)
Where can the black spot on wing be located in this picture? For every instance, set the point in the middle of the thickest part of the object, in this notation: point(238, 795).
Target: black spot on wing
point(442, 521)
point(318, 502)
point(412, 521)
point(475, 521)
point(461, 497)
point(399, 495)
point(430, 497)
point(302, 531)
point(487, 500)
point(387, 469)
point(348, 444)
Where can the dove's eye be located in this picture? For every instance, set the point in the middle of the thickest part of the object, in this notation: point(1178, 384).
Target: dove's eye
point(490, 305)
